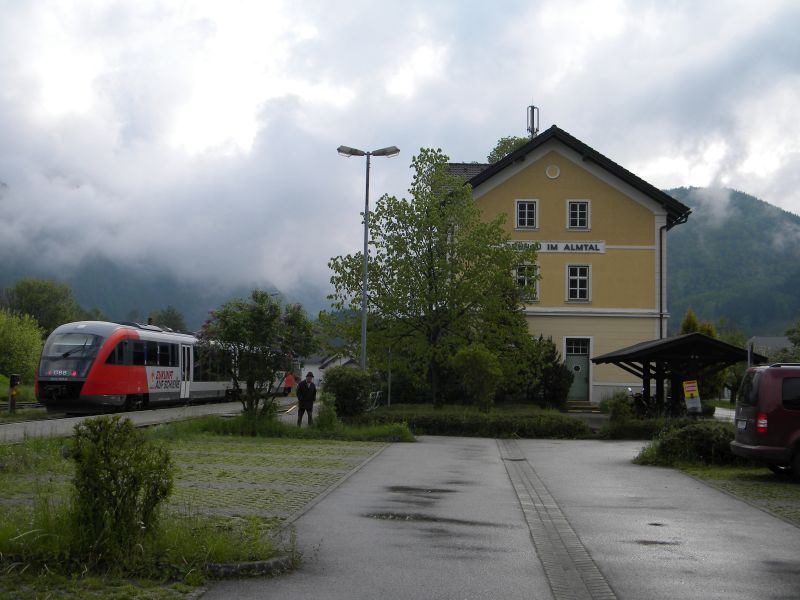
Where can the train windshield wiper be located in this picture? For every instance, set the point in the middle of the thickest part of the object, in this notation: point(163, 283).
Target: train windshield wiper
point(74, 350)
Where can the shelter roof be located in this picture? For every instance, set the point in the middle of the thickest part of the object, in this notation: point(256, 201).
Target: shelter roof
point(681, 354)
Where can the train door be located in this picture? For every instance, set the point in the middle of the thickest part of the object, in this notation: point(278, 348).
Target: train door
point(187, 363)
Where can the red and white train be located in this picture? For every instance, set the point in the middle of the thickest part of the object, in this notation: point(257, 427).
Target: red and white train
point(95, 366)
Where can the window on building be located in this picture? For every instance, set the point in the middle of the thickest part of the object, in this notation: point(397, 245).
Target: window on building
point(578, 214)
point(578, 283)
point(528, 282)
point(577, 346)
point(526, 214)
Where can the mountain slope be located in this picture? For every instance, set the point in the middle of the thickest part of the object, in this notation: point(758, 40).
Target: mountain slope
point(736, 258)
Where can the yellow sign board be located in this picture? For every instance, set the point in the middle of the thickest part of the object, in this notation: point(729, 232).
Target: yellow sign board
point(691, 393)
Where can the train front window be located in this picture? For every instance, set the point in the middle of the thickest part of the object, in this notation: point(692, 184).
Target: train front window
point(69, 354)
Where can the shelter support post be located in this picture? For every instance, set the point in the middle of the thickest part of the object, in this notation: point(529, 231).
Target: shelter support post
point(660, 388)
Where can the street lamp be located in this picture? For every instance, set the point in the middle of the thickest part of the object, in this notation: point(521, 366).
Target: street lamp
point(348, 152)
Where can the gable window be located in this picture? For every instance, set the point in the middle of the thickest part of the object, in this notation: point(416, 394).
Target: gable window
point(578, 214)
point(526, 214)
point(578, 283)
point(528, 282)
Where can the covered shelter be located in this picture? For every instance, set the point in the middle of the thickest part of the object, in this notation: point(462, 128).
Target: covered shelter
point(676, 359)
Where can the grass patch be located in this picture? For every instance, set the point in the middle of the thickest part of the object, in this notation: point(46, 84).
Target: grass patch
point(22, 414)
point(243, 426)
point(755, 484)
point(232, 495)
point(503, 421)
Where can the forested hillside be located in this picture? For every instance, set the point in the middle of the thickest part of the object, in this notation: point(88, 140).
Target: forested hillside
point(736, 258)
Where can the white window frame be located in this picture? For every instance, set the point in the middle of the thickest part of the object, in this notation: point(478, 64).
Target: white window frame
point(587, 277)
point(588, 225)
point(532, 296)
point(536, 215)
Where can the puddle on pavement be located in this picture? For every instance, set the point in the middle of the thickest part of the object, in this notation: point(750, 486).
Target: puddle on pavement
point(656, 543)
point(404, 489)
point(423, 518)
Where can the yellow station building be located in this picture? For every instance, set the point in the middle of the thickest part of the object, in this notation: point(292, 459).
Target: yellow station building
point(601, 232)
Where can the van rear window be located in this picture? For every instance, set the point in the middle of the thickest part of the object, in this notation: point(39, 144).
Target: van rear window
point(748, 391)
point(790, 393)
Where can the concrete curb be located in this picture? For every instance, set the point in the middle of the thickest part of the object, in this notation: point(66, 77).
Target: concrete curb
point(272, 566)
point(333, 486)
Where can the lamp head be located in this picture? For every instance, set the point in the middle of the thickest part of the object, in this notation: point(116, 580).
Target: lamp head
point(388, 151)
point(348, 151)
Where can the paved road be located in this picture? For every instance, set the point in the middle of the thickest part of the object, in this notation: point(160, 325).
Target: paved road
point(15, 432)
point(466, 518)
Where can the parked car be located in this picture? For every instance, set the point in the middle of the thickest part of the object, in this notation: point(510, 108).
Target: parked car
point(768, 417)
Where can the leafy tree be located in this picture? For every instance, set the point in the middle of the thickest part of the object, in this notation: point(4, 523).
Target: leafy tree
point(170, 317)
point(20, 345)
point(261, 338)
point(49, 302)
point(710, 380)
point(93, 314)
point(505, 146)
point(735, 373)
point(438, 273)
point(793, 333)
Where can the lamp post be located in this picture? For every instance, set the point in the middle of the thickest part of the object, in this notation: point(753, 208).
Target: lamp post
point(348, 152)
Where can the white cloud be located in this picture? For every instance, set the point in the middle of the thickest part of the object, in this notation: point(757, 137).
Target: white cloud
point(203, 134)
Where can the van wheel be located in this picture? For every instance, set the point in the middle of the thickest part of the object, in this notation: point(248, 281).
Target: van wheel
point(781, 470)
point(796, 464)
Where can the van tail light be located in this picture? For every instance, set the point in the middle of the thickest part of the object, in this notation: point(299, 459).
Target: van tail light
point(761, 423)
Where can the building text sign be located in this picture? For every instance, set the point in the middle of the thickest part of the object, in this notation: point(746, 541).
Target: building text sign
point(577, 247)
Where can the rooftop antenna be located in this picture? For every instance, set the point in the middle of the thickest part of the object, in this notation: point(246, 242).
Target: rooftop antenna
point(533, 121)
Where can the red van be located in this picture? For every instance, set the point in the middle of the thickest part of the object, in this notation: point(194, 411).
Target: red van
point(768, 417)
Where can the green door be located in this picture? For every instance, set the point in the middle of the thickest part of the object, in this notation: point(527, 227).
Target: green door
point(577, 361)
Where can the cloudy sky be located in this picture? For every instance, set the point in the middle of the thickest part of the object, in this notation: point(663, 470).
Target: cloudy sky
point(203, 134)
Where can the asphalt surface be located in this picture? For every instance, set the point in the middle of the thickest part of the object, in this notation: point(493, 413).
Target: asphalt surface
point(15, 432)
point(466, 518)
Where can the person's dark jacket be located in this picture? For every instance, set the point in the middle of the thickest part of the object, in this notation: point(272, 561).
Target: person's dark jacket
point(306, 393)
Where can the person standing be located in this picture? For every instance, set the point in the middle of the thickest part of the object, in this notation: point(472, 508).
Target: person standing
point(306, 394)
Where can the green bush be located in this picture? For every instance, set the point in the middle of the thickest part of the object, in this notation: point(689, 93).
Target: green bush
point(350, 388)
point(480, 374)
point(326, 419)
point(619, 407)
point(632, 429)
point(697, 442)
point(120, 480)
point(543, 425)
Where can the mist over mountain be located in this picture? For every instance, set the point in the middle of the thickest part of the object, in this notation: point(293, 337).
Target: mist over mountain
point(735, 259)
point(130, 292)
